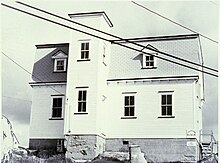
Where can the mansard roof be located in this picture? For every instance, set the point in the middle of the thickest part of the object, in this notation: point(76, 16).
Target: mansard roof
point(43, 70)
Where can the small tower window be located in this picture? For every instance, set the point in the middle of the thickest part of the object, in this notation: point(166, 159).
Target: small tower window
point(84, 50)
point(82, 101)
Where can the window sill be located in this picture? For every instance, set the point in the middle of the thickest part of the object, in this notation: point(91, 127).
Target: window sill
point(166, 117)
point(128, 117)
point(55, 118)
point(82, 60)
point(148, 67)
point(80, 113)
point(59, 71)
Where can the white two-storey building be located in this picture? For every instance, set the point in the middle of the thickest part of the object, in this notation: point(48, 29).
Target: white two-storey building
point(92, 96)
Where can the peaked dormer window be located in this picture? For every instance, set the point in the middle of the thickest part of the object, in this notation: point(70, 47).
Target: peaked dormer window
point(60, 59)
point(149, 61)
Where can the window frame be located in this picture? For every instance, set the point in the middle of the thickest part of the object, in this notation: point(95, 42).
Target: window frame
point(80, 50)
point(82, 101)
point(62, 107)
point(129, 94)
point(154, 61)
point(78, 89)
point(55, 64)
point(167, 93)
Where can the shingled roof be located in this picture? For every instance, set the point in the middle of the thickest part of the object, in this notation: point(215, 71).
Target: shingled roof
point(43, 70)
point(126, 63)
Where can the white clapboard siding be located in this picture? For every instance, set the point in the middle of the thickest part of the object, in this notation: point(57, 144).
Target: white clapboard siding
point(41, 126)
point(147, 111)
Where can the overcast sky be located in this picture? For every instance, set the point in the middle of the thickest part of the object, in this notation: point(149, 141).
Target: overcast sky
point(20, 33)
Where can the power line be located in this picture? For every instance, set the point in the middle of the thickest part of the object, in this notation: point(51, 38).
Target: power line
point(106, 39)
point(173, 21)
point(29, 72)
point(126, 40)
point(214, 3)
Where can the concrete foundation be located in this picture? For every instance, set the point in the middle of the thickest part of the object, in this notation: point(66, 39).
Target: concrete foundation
point(44, 144)
point(84, 147)
point(159, 150)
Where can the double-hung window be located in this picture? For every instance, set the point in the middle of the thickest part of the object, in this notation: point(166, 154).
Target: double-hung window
point(57, 107)
point(129, 105)
point(166, 105)
point(84, 50)
point(82, 94)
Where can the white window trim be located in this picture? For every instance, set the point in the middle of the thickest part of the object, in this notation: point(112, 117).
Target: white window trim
point(55, 64)
point(144, 60)
point(123, 104)
point(160, 108)
point(51, 106)
point(80, 44)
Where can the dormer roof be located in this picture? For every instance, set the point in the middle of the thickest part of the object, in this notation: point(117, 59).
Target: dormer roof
point(59, 54)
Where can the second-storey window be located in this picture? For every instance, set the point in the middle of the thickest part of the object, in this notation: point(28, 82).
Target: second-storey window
point(85, 50)
point(57, 107)
point(166, 104)
point(129, 106)
point(82, 100)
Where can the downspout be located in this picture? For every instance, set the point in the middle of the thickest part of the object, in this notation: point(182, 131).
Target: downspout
point(202, 74)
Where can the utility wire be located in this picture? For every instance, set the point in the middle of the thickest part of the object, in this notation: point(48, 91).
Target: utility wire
point(105, 39)
point(126, 40)
point(214, 3)
point(173, 21)
point(29, 72)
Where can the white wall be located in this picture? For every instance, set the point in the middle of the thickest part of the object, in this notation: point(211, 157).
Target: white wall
point(147, 110)
point(41, 110)
point(91, 74)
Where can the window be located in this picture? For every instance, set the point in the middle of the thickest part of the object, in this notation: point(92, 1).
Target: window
point(60, 65)
point(60, 59)
point(149, 61)
point(129, 106)
point(166, 104)
point(84, 50)
point(57, 104)
point(82, 101)
point(60, 145)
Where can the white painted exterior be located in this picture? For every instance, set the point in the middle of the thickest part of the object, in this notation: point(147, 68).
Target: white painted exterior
point(91, 74)
point(105, 102)
point(148, 109)
point(41, 125)
point(106, 84)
